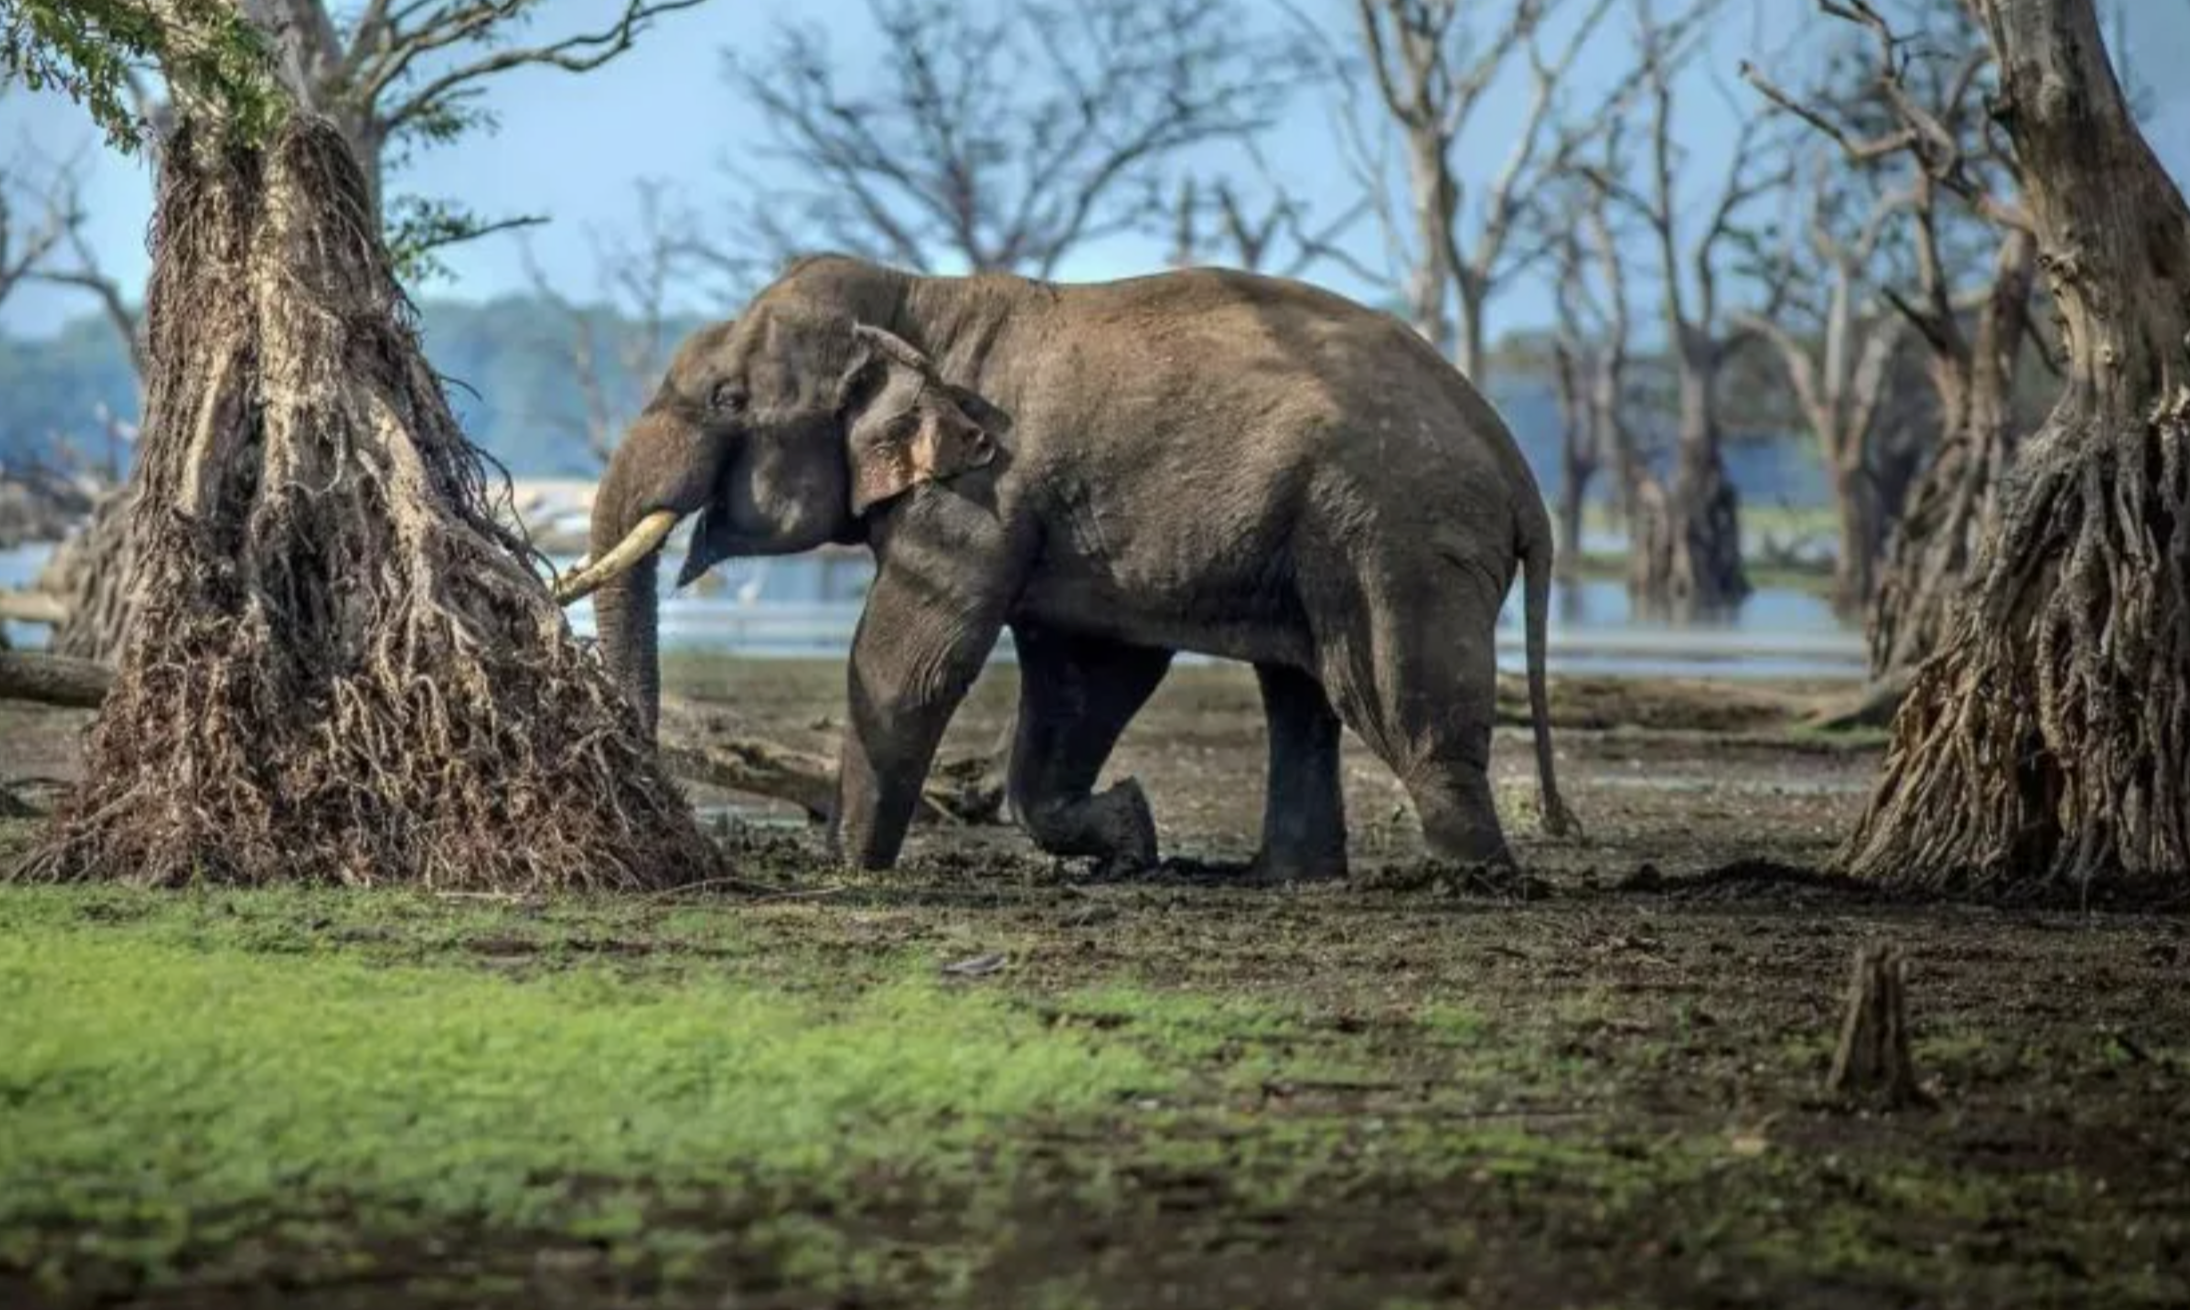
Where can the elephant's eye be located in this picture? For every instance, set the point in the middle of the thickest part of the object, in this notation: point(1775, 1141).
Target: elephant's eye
point(727, 397)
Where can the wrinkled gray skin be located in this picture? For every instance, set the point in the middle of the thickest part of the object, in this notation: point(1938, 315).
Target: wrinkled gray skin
point(1204, 461)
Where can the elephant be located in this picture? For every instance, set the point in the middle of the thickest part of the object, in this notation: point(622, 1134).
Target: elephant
point(1200, 460)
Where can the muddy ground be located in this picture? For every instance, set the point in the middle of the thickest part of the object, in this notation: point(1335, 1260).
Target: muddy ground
point(1674, 777)
point(1601, 1085)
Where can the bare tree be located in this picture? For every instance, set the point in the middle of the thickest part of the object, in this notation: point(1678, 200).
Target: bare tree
point(399, 77)
point(346, 670)
point(1686, 550)
point(1000, 136)
point(1836, 340)
point(617, 345)
point(1213, 220)
point(2047, 743)
point(1914, 118)
point(1432, 64)
point(1590, 354)
point(391, 78)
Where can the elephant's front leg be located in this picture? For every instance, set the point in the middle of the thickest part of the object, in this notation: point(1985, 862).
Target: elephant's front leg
point(921, 642)
point(1304, 809)
point(1076, 695)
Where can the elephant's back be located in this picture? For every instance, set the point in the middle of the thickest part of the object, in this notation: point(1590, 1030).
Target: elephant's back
point(1248, 362)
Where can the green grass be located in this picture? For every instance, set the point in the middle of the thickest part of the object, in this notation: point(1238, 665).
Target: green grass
point(640, 1102)
point(171, 1085)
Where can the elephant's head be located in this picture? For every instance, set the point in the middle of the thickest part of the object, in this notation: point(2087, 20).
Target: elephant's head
point(782, 431)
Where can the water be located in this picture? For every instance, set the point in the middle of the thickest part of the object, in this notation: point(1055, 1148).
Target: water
point(19, 567)
point(809, 605)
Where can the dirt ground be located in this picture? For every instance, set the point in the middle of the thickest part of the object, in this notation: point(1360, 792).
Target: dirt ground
point(1600, 1085)
point(1667, 777)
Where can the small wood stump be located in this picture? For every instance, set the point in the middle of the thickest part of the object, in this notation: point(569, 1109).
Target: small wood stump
point(1872, 1065)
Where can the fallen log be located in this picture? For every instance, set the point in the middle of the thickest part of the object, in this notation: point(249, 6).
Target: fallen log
point(960, 791)
point(757, 768)
point(53, 679)
point(1872, 707)
point(763, 768)
point(24, 606)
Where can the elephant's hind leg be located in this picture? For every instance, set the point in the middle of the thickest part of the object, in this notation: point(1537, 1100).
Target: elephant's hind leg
point(1076, 694)
point(1421, 690)
point(1304, 812)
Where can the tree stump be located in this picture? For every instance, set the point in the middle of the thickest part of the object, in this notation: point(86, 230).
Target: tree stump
point(1872, 1065)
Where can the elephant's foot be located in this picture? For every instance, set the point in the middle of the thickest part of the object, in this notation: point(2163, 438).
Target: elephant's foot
point(1280, 867)
point(1486, 853)
point(1459, 818)
point(1115, 826)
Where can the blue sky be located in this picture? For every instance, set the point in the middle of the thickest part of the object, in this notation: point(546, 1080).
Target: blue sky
point(575, 147)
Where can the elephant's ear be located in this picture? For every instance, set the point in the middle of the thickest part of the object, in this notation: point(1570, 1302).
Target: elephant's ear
point(911, 427)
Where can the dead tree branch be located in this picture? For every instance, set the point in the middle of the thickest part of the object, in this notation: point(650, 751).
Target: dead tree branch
point(1431, 67)
point(1906, 106)
point(618, 345)
point(53, 679)
point(1002, 136)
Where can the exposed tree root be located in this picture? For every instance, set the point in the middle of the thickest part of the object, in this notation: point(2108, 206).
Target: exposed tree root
point(343, 668)
point(1932, 550)
point(1954, 504)
point(90, 580)
point(1872, 706)
point(2050, 741)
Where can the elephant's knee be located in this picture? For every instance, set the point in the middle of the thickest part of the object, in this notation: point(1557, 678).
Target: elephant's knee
point(1115, 825)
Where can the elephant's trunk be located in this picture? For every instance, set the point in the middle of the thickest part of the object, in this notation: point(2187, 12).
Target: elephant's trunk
point(626, 612)
point(626, 535)
point(662, 471)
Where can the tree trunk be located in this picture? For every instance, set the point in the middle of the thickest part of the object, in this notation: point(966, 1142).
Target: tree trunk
point(2047, 744)
point(1430, 186)
point(1688, 540)
point(1855, 567)
point(343, 668)
point(1616, 437)
point(1573, 493)
point(1468, 342)
point(1952, 506)
point(1579, 447)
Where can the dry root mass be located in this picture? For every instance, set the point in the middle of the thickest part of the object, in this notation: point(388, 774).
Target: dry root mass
point(341, 666)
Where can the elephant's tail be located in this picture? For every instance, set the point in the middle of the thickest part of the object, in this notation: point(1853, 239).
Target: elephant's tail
point(1536, 551)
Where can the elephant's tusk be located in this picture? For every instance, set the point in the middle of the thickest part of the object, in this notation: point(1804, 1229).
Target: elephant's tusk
point(637, 544)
